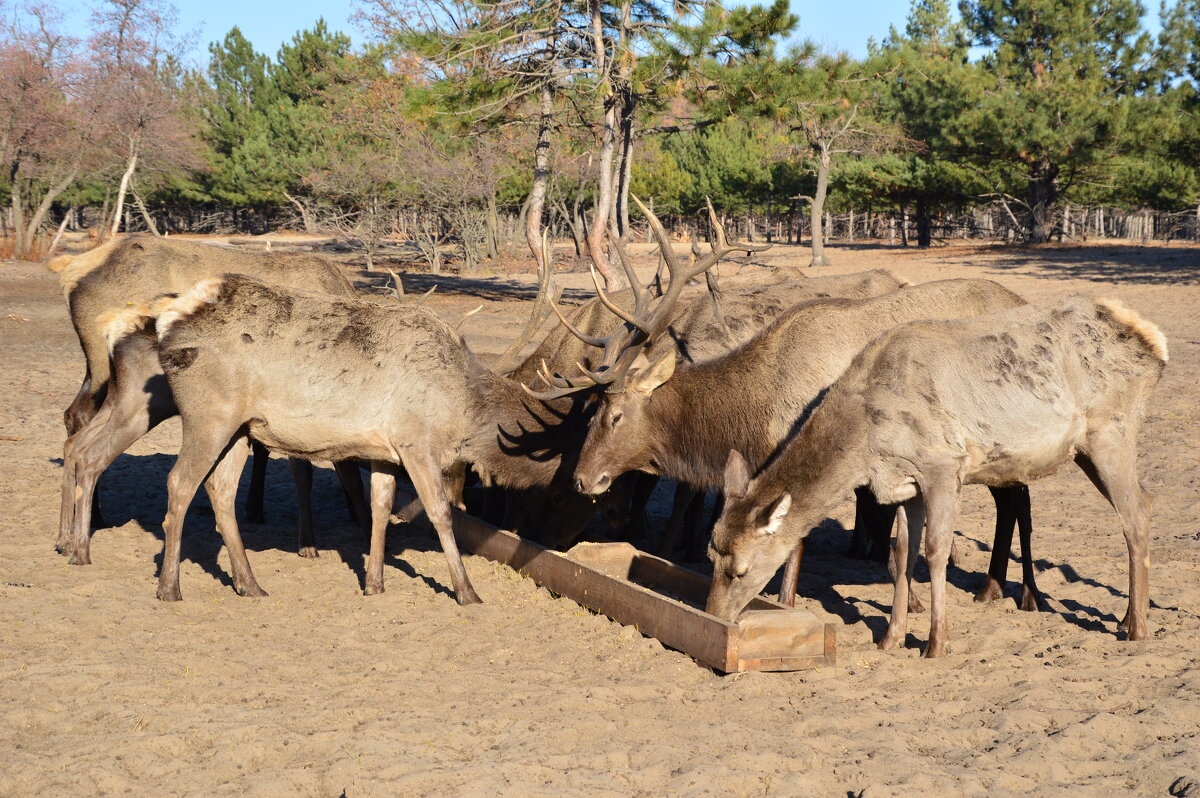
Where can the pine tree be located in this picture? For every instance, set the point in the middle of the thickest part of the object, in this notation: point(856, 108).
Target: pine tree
point(1051, 108)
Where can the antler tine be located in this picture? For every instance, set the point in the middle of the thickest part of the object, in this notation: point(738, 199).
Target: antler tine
point(641, 297)
point(720, 243)
point(660, 235)
point(553, 393)
point(614, 307)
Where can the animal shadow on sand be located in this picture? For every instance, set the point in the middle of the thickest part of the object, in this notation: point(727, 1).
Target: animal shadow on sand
point(134, 488)
point(1104, 264)
point(492, 289)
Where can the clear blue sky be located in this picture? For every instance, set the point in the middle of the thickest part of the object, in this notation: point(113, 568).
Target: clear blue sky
point(837, 25)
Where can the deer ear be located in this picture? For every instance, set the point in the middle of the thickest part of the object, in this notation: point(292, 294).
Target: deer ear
point(737, 474)
point(650, 376)
point(778, 512)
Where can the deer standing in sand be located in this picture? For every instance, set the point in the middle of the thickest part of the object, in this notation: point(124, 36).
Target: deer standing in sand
point(931, 406)
point(120, 279)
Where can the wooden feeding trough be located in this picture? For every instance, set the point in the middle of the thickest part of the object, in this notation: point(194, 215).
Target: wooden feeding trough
point(657, 597)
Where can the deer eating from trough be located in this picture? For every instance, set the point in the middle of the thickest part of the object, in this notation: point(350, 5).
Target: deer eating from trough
point(931, 406)
point(682, 423)
point(319, 377)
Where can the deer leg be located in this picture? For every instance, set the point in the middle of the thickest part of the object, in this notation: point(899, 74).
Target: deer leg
point(83, 407)
point(302, 475)
point(383, 495)
point(940, 506)
point(694, 521)
point(684, 494)
point(221, 486)
point(791, 575)
point(426, 476)
point(1109, 463)
point(909, 524)
point(1031, 597)
point(121, 421)
point(78, 415)
point(456, 480)
point(258, 485)
point(1006, 520)
point(70, 492)
point(360, 513)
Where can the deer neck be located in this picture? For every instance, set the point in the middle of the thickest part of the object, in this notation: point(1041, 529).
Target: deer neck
point(517, 441)
point(823, 463)
point(699, 415)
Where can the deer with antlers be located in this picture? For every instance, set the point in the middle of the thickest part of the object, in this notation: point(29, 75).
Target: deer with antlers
point(931, 406)
point(317, 377)
point(681, 423)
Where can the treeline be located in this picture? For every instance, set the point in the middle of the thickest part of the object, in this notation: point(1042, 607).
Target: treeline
point(465, 127)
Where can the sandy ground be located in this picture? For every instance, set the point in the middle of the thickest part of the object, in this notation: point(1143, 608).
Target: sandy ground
point(319, 691)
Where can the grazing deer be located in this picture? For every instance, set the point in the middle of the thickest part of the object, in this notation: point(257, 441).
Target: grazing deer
point(682, 424)
point(696, 328)
point(931, 406)
point(319, 377)
point(133, 271)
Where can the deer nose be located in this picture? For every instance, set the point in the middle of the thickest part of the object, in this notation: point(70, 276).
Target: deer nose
point(598, 486)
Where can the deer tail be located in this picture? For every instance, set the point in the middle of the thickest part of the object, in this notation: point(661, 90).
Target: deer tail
point(1149, 333)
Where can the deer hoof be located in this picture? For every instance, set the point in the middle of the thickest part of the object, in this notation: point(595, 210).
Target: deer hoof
point(1031, 601)
point(989, 592)
point(372, 590)
point(915, 605)
point(889, 642)
point(935, 650)
point(169, 593)
point(251, 590)
point(80, 558)
point(309, 552)
point(468, 596)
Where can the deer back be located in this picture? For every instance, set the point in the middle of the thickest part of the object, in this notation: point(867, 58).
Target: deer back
point(381, 376)
point(1008, 396)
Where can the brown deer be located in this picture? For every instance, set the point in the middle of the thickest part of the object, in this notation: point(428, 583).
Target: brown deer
point(931, 406)
point(682, 423)
point(318, 377)
point(133, 271)
point(698, 328)
point(138, 399)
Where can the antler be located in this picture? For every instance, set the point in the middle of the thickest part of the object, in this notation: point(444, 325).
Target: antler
point(623, 345)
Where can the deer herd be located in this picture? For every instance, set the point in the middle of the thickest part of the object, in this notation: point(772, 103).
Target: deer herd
point(784, 395)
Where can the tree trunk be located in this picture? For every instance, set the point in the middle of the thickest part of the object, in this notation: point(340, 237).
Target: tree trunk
point(43, 208)
point(541, 177)
point(17, 212)
point(59, 233)
point(1041, 196)
point(306, 216)
point(519, 231)
point(493, 229)
point(924, 223)
point(141, 206)
point(124, 186)
point(818, 208)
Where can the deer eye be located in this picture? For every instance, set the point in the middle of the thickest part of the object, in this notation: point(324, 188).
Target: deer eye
point(616, 417)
